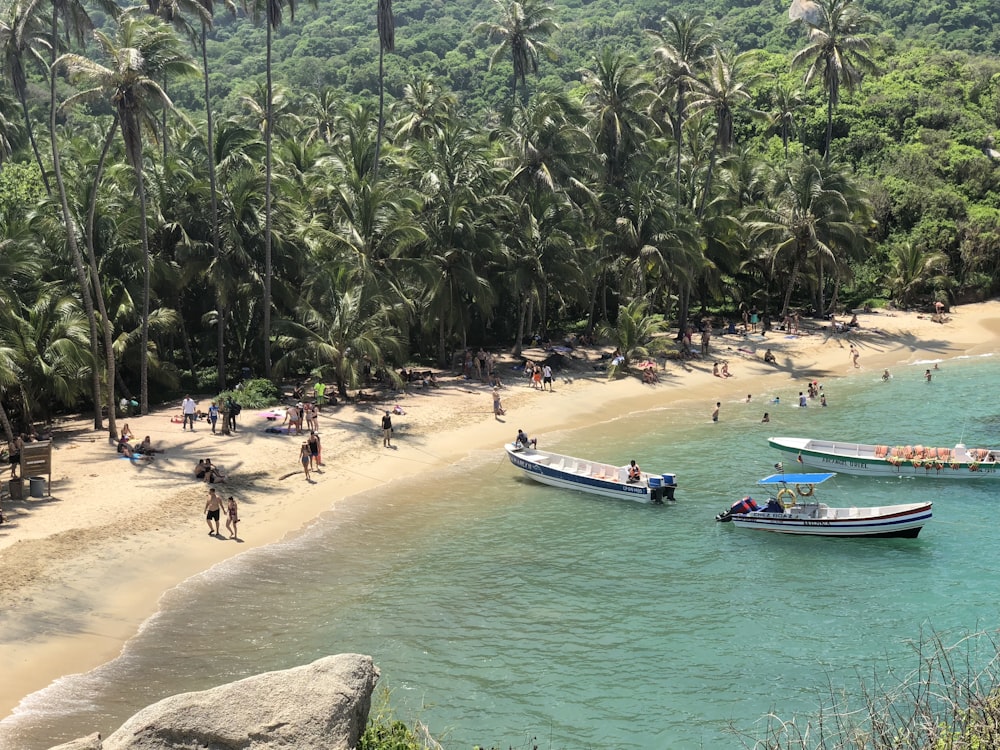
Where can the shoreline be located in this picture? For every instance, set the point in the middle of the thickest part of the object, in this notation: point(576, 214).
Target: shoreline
point(145, 536)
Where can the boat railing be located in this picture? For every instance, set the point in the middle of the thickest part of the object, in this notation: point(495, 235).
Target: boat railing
point(842, 449)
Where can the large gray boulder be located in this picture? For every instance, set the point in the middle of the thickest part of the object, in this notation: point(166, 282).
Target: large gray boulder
point(320, 705)
point(807, 11)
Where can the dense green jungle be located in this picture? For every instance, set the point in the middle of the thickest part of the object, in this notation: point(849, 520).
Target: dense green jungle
point(194, 192)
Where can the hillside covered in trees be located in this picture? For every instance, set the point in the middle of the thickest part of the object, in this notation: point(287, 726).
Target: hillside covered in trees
point(194, 189)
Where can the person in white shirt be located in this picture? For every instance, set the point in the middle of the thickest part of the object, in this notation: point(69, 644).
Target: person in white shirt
point(546, 377)
point(188, 409)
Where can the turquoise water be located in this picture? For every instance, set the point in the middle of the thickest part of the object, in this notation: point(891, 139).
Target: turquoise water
point(508, 614)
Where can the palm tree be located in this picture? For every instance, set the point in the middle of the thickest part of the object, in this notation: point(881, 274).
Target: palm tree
point(386, 43)
point(836, 52)
point(816, 214)
point(725, 88)
point(684, 46)
point(617, 96)
point(22, 36)
point(912, 270)
point(424, 110)
point(271, 11)
point(75, 18)
point(521, 29)
point(633, 333)
point(339, 325)
point(46, 341)
point(786, 103)
point(459, 219)
point(142, 52)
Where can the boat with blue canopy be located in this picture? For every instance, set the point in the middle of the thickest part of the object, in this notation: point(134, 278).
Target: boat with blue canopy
point(792, 509)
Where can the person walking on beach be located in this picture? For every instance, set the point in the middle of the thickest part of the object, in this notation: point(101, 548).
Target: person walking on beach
point(232, 517)
point(212, 507)
point(715, 411)
point(547, 377)
point(305, 458)
point(854, 355)
point(387, 431)
point(213, 415)
point(188, 409)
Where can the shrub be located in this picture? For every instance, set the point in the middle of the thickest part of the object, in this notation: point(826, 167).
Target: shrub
point(255, 394)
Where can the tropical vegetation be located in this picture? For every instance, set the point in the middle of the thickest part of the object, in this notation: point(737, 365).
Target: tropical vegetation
point(188, 198)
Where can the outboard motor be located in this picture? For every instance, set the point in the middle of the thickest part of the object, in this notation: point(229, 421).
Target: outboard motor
point(739, 508)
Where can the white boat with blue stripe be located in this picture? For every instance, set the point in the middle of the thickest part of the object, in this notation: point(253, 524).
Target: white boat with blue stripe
point(594, 477)
point(793, 511)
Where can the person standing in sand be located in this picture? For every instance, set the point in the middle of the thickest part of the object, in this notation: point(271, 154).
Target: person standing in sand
point(232, 517)
point(387, 430)
point(547, 377)
point(314, 448)
point(212, 507)
point(854, 355)
point(188, 409)
point(305, 458)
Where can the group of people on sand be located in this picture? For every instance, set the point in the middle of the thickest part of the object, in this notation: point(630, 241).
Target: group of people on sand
point(143, 450)
point(309, 454)
point(539, 376)
point(722, 372)
point(208, 472)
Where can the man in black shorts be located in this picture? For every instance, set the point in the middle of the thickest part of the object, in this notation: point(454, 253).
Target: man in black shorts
point(212, 507)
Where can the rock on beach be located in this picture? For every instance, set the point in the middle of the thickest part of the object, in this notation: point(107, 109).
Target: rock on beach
point(320, 705)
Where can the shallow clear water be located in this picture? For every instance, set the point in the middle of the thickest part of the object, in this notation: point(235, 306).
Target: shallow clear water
point(500, 610)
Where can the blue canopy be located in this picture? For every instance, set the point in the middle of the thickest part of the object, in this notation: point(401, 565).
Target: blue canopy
point(796, 478)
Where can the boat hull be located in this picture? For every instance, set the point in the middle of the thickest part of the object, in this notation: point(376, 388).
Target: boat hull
point(552, 469)
point(859, 459)
point(901, 521)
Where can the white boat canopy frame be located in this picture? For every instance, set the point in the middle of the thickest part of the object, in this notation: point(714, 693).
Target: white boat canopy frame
point(796, 478)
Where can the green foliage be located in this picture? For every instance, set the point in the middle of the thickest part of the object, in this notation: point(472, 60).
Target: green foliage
point(20, 186)
point(255, 394)
point(392, 735)
point(385, 732)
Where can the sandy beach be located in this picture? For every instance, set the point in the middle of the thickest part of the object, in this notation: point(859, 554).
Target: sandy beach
point(83, 568)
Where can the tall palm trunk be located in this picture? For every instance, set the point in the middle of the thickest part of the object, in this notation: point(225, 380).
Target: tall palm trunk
point(829, 128)
point(74, 247)
point(8, 430)
point(95, 278)
point(442, 349)
point(269, 115)
point(132, 136)
point(34, 144)
point(791, 286)
point(220, 309)
point(386, 43)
